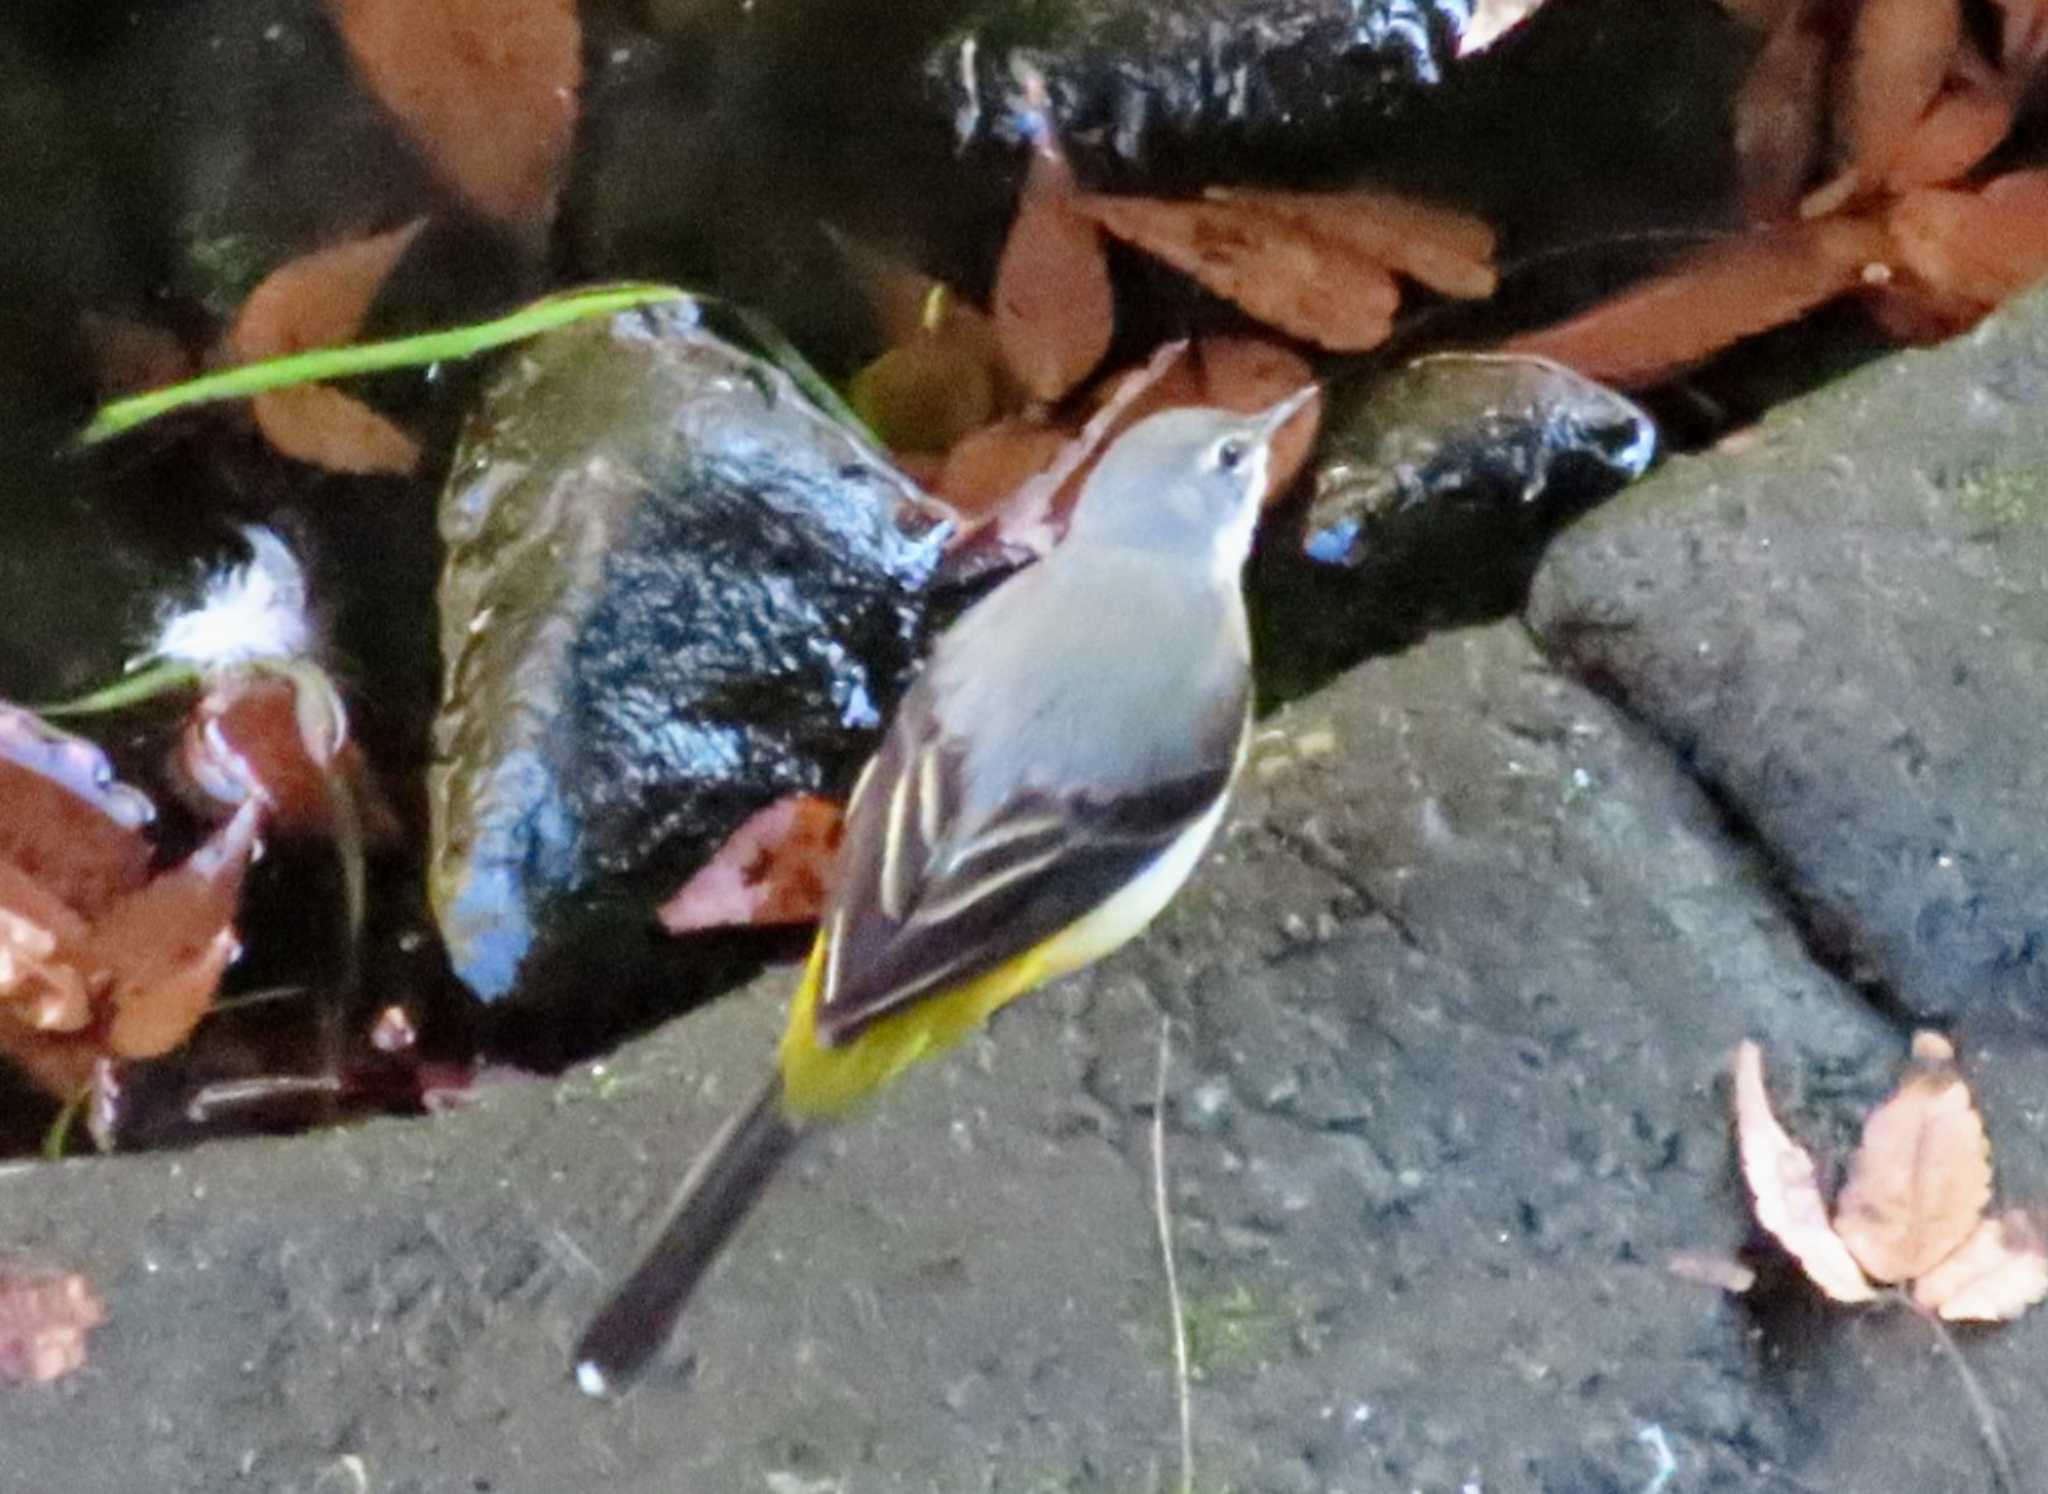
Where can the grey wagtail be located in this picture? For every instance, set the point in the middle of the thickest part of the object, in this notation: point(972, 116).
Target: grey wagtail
point(1047, 785)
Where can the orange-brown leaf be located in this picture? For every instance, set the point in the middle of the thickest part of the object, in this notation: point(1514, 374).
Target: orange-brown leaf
point(1786, 1190)
point(1447, 250)
point(1053, 307)
point(1305, 285)
point(1712, 299)
point(1983, 246)
point(1966, 124)
point(987, 466)
point(1780, 117)
point(485, 88)
point(316, 424)
point(68, 824)
point(2023, 38)
point(1899, 53)
point(41, 984)
point(1999, 1272)
point(774, 869)
point(1920, 1179)
point(245, 740)
point(318, 299)
point(166, 946)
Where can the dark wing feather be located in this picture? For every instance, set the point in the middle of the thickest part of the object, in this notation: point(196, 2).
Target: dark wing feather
point(924, 903)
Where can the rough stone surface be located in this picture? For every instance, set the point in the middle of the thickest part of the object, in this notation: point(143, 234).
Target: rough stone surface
point(1841, 623)
point(1454, 1000)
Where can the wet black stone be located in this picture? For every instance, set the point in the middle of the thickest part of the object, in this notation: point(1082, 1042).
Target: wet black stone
point(674, 592)
point(1433, 493)
point(1185, 92)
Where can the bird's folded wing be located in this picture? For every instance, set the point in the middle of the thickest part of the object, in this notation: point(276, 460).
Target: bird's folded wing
point(925, 902)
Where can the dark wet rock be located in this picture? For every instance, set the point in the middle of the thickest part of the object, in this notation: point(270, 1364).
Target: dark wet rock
point(1434, 490)
point(238, 136)
point(1841, 622)
point(674, 592)
point(1457, 990)
point(1181, 92)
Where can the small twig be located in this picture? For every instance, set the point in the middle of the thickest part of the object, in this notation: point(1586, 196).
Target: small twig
point(1990, 1426)
point(1164, 1220)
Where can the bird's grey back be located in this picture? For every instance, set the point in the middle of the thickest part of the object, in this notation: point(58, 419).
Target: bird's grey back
point(1113, 669)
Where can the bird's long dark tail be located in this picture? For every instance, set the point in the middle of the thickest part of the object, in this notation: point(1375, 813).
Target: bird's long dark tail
point(722, 1184)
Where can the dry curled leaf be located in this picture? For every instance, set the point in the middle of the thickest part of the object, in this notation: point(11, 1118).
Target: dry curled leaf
point(1921, 1178)
point(1980, 246)
point(1999, 1272)
point(1053, 306)
point(1966, 124)
point(1449, 251)
point(1786, 1187)
point(1900, 51)
point(1709, 300)
point(774, 869)
point(44, 1319)
point(318, 300)
point(485, 88)
point(1306, 285)
point(261, 735)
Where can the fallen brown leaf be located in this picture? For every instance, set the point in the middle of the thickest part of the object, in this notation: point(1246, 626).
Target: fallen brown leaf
point(1306, 285)
point(1786, 1188)
point(44, 1319)
point(1899, 53)
point(69, 824)
point(1999, 1272)
point(987, 466)
point(1053, 306)
point(1920, 1179)
point(485, 88)
point(1709, 300)
point(1966, 124)
point(774, 869)
point(245, 740)
point(165, 947)
point(1984, 245)
point(1447, 250)
point(317, 300)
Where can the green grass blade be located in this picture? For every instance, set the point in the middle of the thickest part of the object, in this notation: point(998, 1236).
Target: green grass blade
point(314, 365)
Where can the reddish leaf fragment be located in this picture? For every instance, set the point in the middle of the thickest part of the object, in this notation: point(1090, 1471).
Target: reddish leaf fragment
point(1449, 251)
point(1983, 246)
point(68, 824)
point(166, 946)
point(326, 428)
point(2023, 37)
point(1305, 285)
point(986, 466)
point(1999, 1272)
point(1780, 117)
point(246, 739)
point(1712, 299)
point(41, 984)
point(1966, 124)
point(1899, 53)
point(317, 300)
point(128, 356)
point(1054, 311)
point(486, 89)
point(1783, 1182)
point(44, 1319)
point(774, 869)
point(1920, 1179)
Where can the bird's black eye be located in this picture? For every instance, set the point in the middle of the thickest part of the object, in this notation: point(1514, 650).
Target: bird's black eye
point(1230, 454)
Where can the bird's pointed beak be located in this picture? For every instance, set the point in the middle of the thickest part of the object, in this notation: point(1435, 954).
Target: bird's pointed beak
point(1273, 417)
